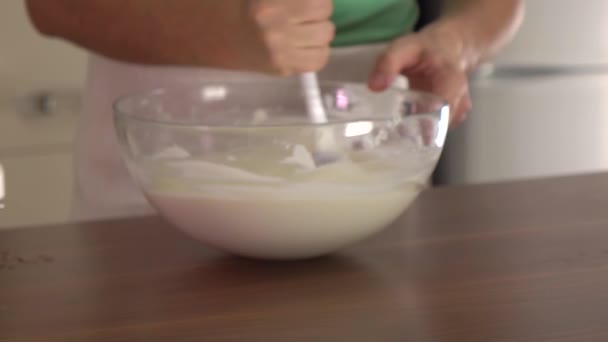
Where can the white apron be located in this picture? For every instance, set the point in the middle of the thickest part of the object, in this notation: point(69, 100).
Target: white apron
point(103, 188)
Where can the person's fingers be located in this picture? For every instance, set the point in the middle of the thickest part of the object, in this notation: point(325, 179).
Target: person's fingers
point(454, 89)
point(270, 13)
point(462, 109)
point(313, 35)
point(309, 60)
point(403, 54)
point(452, 96)
point(308, 11)
point(456, 112)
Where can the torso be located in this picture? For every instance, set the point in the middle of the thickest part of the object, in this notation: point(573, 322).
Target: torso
point(361, 22)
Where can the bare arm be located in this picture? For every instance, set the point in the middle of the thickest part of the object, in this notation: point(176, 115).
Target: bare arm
point(482, 27)
point(144, 31)
point(274, 36)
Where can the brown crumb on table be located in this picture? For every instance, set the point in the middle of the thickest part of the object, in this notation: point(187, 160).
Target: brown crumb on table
point(9, 262)
point(47, 258)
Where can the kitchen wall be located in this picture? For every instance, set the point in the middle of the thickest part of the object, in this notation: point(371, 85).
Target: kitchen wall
point(35, 145)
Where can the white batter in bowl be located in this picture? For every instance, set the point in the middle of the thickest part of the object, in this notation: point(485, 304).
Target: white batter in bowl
point(238, 174)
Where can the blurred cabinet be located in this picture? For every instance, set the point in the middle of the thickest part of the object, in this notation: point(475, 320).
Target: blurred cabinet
point(531, 127)
point(40, 82)
point(38, 190)
point(39, 120)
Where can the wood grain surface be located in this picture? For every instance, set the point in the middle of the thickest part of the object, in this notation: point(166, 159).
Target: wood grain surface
point(525, 262)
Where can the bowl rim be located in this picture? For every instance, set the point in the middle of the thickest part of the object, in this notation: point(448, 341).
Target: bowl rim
point(120, 114)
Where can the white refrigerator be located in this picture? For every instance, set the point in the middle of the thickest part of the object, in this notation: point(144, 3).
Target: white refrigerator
point(540, 109)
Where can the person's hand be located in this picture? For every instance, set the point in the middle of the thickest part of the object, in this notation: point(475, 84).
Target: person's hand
point(287, 37)
point(433, 60)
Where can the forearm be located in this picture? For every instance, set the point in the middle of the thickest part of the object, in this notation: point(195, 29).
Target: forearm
point(482, 26)
point(143, 31)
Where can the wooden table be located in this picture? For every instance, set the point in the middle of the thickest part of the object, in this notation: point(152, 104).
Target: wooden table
point(518, 262)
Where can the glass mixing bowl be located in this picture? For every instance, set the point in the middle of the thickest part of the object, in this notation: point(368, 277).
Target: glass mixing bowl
point(236, 164)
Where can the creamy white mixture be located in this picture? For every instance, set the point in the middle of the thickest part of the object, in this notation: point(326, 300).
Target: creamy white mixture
point(287, 210)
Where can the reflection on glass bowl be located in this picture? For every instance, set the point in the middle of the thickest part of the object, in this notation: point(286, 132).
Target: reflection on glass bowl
point(232, 164)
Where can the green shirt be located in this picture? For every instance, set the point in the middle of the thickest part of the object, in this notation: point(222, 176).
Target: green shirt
point(371, 21)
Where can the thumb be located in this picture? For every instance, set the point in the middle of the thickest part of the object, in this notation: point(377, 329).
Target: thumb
point(403, 54)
